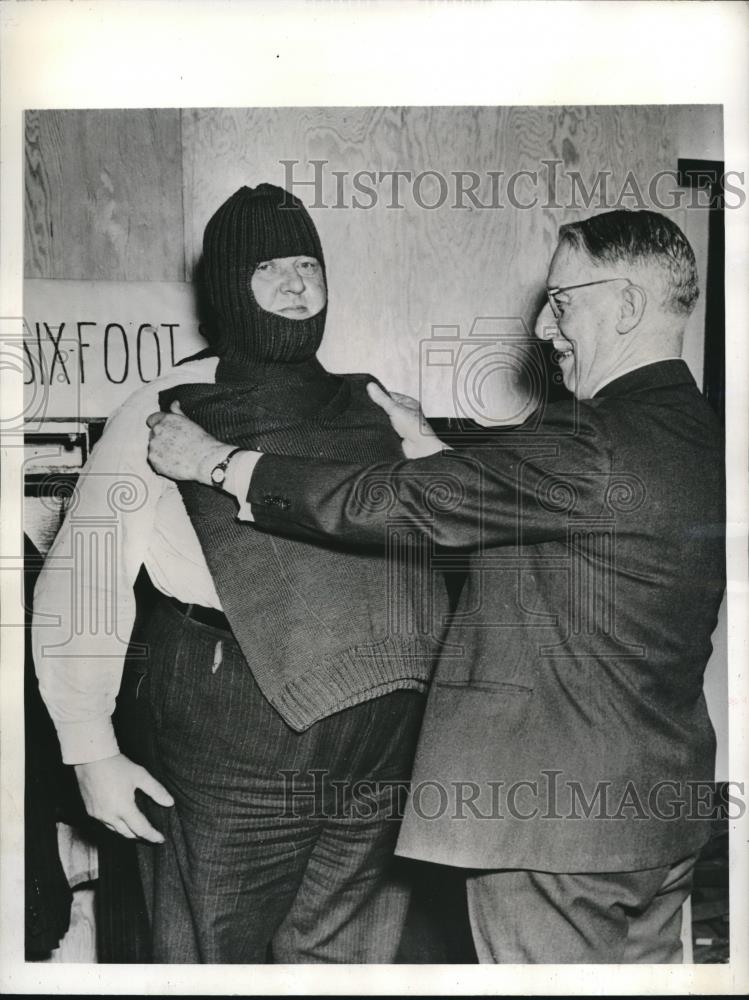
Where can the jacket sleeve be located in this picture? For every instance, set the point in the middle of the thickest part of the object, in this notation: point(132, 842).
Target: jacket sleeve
point(522, 488)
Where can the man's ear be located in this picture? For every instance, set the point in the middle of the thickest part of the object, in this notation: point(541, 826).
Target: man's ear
point(631, 308)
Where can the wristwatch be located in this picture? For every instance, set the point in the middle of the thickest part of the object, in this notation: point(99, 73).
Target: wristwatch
point(218, 472)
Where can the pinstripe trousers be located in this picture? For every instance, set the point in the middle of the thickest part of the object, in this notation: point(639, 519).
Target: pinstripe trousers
point(280, 844)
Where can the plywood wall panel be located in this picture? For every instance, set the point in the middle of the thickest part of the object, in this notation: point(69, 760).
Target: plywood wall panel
point(396, 272)
point(125, 195)
point(104, 195)
point(44, 201)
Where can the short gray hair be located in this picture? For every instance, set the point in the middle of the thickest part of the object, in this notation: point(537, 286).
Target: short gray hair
point(641, 237)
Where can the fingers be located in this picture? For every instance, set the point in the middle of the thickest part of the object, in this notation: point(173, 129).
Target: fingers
point(119, 826)
point(155, 418)
point(131, 823)
point(407, 401)
point(390, 401)
point(135, 824)
point(108, 789)
point(379, 396)
point(154, 788)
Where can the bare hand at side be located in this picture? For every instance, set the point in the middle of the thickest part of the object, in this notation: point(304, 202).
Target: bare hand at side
point(108, 792)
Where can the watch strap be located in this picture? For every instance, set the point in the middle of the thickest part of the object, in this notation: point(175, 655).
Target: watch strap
point(222, 466)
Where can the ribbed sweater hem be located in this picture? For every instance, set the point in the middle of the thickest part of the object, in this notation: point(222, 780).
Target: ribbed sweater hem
point(345, 679)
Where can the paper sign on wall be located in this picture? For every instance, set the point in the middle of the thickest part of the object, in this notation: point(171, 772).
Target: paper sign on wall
point(89, 344)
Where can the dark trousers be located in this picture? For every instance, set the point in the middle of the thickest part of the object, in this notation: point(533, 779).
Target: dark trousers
point(280, 843)
point(617, 917)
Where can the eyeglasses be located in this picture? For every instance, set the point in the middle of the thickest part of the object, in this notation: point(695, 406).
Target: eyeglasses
point(551, 293)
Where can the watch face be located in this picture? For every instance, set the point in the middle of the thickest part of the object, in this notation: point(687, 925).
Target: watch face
point(218, 475)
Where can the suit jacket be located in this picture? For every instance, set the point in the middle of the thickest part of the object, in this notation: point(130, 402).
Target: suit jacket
point(566, 728)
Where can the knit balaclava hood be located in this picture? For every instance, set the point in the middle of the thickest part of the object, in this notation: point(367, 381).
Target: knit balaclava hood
point(252, 226)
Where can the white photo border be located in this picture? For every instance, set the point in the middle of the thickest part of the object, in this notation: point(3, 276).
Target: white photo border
point(161, 53)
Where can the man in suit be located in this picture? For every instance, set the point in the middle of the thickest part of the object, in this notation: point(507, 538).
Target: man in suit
point(566, 754)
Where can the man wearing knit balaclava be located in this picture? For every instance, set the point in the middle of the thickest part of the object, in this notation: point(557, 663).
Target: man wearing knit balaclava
point(284, 686)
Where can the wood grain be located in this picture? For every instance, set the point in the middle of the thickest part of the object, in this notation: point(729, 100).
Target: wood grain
point(125, 195)
point(396, 273)
point(104, 195)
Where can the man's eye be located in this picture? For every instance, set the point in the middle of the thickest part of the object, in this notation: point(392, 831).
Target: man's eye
point(308, 265)
point(264, 266)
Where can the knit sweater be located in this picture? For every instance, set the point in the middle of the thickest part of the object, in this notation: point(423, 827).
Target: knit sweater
point(321, 629)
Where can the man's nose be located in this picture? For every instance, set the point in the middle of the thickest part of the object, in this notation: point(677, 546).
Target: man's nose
point(546, 327)
point(291, 280)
